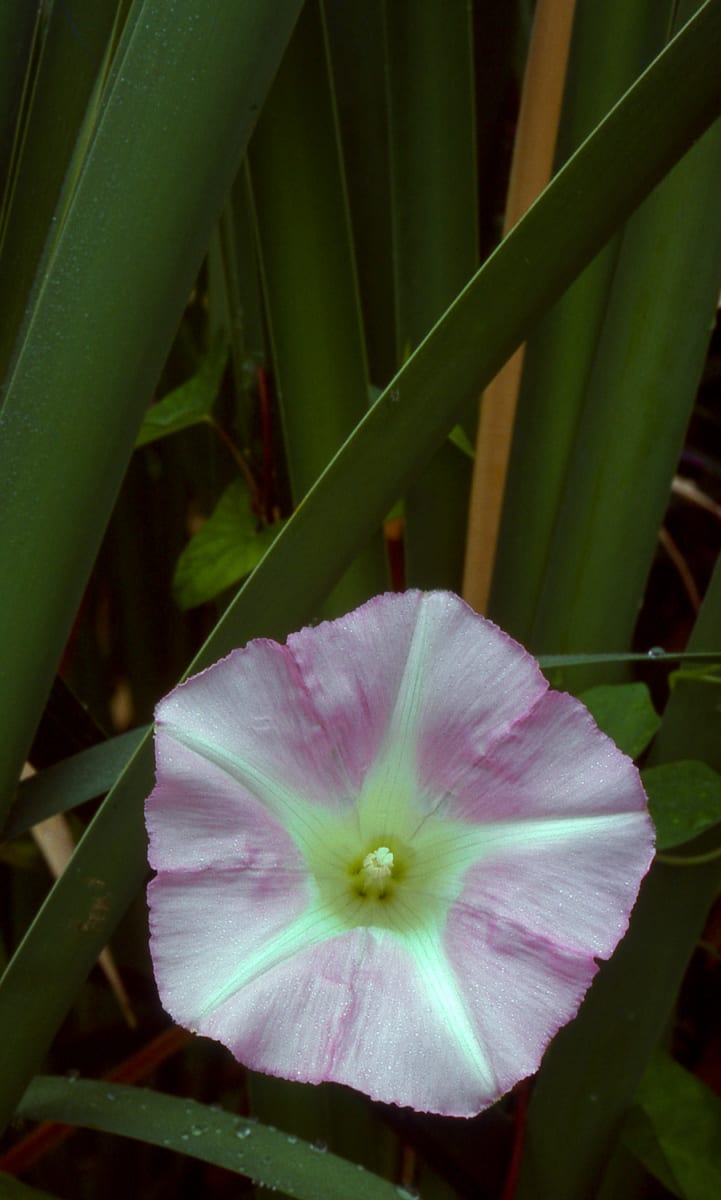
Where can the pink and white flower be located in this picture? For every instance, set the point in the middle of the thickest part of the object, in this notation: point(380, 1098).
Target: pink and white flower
point(388, 855)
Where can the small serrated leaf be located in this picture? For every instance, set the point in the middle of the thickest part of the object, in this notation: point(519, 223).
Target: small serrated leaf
point(624, 711)
point(188, 405)
point(684, 799)
point(226, 549)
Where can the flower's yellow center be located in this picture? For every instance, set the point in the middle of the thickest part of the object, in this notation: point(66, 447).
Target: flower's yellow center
point(389, 861)
point(376, 870)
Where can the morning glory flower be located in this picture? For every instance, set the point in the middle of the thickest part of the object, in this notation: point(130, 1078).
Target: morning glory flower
point(387, 855)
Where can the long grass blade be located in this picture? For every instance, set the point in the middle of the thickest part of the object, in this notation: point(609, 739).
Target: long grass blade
point(245, 1147)
point(531, 170)
point(309, 277)
point(91, 352)
point(612, 44)
point(435, 240)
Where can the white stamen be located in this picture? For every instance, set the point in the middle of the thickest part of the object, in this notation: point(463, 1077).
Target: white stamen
point(378, 865)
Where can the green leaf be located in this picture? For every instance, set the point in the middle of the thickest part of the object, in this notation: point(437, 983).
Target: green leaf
point(264, 1154)
point(309, 278)
point(226, 549)
point(66, 71)
point(680, 1142)
point(684, 799)
point(188, 405)
point(105, 311)
point(434, 206)
point(357, 41)
point(66, 784)
point(624, 711)
point(612, 43)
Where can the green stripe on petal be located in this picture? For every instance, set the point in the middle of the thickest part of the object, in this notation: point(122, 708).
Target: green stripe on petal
point(298, 816)
point(459, 846)
point(317, 924)
point(405, 720)
point(430, 959)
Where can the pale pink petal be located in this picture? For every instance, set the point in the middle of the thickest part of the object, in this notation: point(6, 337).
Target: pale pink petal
point(252, 711)
point(518, 990)
point(553, 762)
point(205, 925)
point(199, 816)
point(474, 683)
point(574, 886)
point(353, 668)
point(421, 672)
point(356, 1010)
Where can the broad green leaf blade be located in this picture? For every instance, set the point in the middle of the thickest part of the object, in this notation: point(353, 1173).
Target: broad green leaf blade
point(66, 784)
point(435, 241)
point(267, 1156)
point(223, 551)
point(648, 364)
point(188, 405)
point(685, 1120)
point(111, 296)
point(235, 308)
point(624, 711)
point(684, 799)
point(664, 293)
point(612, 43)
point(66, 73)
point(433, 169)
point(357, 41)
point(673, 102)
point(18, 25)
point(309, 277)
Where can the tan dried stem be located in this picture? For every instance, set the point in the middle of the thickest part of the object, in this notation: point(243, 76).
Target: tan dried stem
point(55, 841)
point(531, 169)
